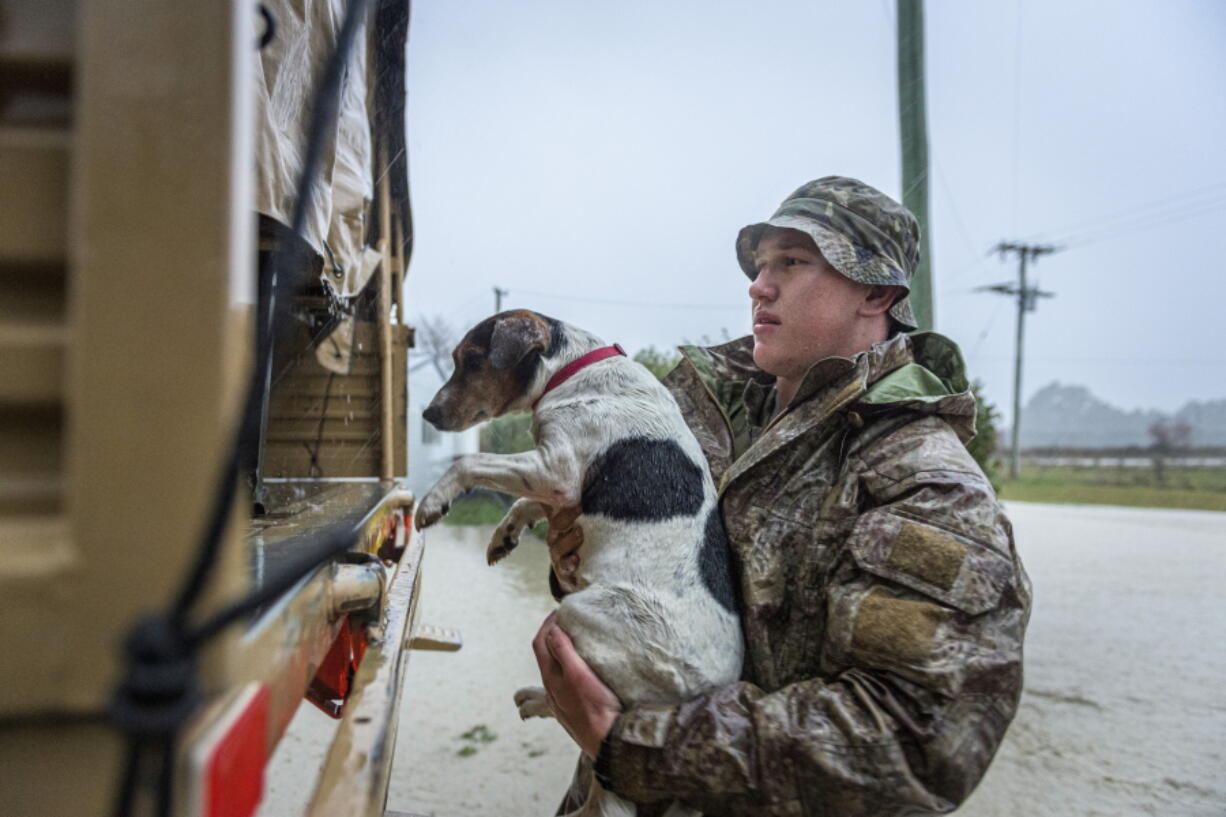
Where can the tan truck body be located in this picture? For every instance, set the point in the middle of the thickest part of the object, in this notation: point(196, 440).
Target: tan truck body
point(128, 259)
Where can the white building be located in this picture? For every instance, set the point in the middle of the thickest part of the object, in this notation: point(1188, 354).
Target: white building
point(431, 451)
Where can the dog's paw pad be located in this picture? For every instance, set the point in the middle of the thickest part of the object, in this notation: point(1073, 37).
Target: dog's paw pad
point(499, 548)
point(532, 703)
point(431, 510)
point(528, 693)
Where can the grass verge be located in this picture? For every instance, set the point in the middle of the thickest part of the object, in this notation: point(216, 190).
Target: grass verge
point(1189, 489)
point(478, 509)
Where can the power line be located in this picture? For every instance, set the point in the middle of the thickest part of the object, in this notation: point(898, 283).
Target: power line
point(1017, 114)
point(619, 302)
point(966, 237)
point(1146, 222)
point(987, 328)
point(1175, 200)
point(1187, 203)
point(1155, 361)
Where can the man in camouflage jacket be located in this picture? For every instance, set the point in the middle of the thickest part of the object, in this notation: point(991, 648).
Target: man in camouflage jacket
point(882, 598)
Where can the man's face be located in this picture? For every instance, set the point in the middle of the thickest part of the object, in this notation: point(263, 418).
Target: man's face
point(803, 309)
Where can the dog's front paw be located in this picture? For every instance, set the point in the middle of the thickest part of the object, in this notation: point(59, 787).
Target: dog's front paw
point(431, 509)
point(504, 539)
point(532, 703)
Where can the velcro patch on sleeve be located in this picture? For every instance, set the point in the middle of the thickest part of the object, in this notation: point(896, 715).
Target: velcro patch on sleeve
point(952, 568)
point(927, 553)
point(896, 628)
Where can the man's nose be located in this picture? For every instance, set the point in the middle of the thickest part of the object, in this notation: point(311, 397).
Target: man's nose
point(761, 288)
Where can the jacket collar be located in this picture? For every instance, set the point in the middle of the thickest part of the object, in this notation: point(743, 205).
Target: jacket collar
point(922, 373)
point(731, 376)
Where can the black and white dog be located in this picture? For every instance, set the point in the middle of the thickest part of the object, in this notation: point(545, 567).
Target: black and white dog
point(651, 603)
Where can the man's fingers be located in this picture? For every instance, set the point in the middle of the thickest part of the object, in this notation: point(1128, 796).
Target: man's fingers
point(563, 651)
point(540, 647)
point(546, 625)
point(543, 657)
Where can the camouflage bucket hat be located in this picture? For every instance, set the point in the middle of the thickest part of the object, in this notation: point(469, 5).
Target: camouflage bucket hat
point(862, 232)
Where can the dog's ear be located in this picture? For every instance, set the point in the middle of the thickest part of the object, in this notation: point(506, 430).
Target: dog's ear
point(515, 337)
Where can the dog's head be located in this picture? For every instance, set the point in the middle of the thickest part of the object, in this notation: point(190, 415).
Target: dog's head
point(496, 364)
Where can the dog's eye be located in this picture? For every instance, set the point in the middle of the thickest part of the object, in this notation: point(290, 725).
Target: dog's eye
point(472, 362)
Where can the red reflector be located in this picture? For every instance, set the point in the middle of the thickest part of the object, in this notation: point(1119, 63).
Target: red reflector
point(234, 770)
point(330, 687)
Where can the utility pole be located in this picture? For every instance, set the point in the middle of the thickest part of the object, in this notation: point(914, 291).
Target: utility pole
point(1027, 298)
point(498, 293)
point(913, 133)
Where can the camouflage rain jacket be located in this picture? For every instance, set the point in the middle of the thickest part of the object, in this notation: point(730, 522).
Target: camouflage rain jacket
point(883, 601)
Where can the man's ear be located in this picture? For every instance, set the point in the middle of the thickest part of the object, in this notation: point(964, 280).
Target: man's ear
point(879, 298)
point(515, 337)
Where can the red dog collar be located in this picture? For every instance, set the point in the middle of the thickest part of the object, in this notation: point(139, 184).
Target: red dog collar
point(570, 369)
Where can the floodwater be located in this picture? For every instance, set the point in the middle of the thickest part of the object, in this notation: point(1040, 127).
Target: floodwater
point(1121, 716)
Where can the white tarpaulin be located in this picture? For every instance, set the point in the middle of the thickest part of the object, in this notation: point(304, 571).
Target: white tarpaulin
point(287, 76)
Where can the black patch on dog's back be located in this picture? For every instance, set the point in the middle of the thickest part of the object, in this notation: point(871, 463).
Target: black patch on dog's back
point(715, 563)
point(642, 480)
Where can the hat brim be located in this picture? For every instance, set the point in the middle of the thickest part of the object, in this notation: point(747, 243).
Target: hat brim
point(854, 262)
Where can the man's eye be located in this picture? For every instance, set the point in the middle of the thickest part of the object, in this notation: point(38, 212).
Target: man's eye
point(792, 261)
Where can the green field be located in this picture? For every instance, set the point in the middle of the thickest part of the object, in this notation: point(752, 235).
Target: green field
point(484, 510)
point(475, 510)
point(1189, 488)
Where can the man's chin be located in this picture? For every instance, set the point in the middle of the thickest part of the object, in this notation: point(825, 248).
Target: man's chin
point(765, 358)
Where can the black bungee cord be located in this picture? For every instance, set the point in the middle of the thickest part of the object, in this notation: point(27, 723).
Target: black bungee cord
point(160, 690)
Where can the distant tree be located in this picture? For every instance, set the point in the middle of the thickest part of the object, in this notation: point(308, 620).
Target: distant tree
point(1167, 436)
point(660, 363)
point(508, 434)
point(434, 339)
point(706, 340)
point(983, 448)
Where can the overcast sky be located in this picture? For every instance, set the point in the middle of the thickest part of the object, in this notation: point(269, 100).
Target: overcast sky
point(597, 159)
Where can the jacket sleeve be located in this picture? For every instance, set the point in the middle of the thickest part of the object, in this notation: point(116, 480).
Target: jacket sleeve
point(921, 664)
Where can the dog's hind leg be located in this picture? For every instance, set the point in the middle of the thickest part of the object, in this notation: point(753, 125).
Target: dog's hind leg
point(523, 513)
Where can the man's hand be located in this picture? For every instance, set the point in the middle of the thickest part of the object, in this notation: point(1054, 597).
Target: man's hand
point(581, 702)
point(565, 538)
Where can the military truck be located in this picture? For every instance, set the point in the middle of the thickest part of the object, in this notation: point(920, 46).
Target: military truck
point(204, 233)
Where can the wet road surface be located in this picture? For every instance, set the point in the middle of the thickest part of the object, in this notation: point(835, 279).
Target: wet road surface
point(1122, 714)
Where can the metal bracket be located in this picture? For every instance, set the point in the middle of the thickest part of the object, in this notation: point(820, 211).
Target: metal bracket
point(438, 639)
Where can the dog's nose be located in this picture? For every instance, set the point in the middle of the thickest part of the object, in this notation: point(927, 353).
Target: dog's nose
point(432, 415)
